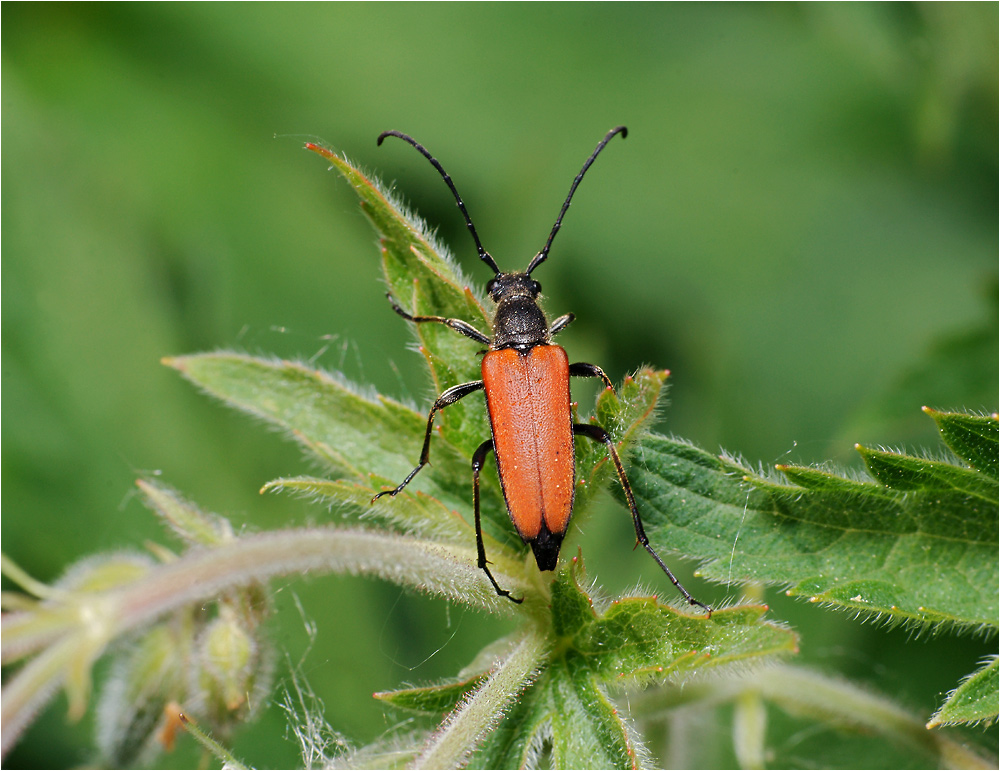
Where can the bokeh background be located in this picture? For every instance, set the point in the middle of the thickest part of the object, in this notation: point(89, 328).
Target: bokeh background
point(801, 225)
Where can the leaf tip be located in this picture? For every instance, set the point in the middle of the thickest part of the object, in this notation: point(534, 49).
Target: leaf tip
point(319, 150)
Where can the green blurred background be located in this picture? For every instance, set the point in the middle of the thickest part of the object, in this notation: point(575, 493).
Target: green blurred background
point(801, 225)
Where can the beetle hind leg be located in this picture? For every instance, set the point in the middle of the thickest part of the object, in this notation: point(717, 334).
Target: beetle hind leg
point(598, 434)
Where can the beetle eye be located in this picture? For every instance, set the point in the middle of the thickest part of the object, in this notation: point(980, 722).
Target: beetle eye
point(490, 286)
point(536, 287)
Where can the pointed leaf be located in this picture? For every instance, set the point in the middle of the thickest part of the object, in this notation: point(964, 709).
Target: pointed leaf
point(425, 280)
point(926, 552)
point(638, 637)
point(587, 731)
point(975, 699)
point(357, 435)
point(432, 699)
point(519, 739)
point(420, 515)
point(624, 416)
point(905, 472)
point(973, 438)
point(183, 517)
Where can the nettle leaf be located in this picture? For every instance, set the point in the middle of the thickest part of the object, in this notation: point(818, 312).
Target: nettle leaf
point(424, 279)
point(566, 710)
point(918, 543)
point(183, 517)
point(371, 440)
point(973, 438)
point(422, 515)
point(975, 699)
point(432, 699)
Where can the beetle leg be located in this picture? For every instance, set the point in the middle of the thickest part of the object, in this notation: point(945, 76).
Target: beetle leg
point(561, 323)
point(478, 459)
point(450, 396)
point(582, 369)
point(457, 324)
point(598, 434)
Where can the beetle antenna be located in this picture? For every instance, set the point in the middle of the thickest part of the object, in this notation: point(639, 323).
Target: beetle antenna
point(543, 255)
point(484, 255)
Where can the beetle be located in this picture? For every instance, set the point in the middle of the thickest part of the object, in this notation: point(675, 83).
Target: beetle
point(525, 377)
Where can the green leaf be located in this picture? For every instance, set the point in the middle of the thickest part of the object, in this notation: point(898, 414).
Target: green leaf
point(483, 707)
point(422, 515)
point(918, 544)
point(432, 700)
point(371, 440)
point(975, 699)
point(521, 737)
point(587, 730)
point(625, 416)
point(566, 710)
point(973, 438)
point(183, 517)
point(424, 279)
point(904, 472)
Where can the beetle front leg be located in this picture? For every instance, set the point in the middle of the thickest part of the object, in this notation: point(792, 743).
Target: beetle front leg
point(478, 459)
point(457, 324)
point(561, 323)
point(598, 434)
point(450, 396)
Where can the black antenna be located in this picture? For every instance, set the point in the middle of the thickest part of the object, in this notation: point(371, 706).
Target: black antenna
point(483, 254)
point(542, 255)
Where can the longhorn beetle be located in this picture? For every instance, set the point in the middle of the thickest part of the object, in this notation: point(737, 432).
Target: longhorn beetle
point(526, 380)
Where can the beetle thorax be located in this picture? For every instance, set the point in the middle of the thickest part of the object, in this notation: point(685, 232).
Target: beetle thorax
point(519, 322)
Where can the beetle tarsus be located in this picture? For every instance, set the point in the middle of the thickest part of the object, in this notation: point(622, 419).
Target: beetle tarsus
point(500, 592)
point(583, 369)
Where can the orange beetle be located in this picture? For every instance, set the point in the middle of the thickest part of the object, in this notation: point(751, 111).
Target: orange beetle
point(526, 380)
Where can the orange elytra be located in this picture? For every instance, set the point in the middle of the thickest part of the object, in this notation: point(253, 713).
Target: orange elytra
point(526, 381)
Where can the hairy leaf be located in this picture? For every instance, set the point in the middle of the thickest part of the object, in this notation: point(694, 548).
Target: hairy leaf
point(424, 279)
point(918, 543)
point(371, 440)
point(975, 699)
point(566, 710)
